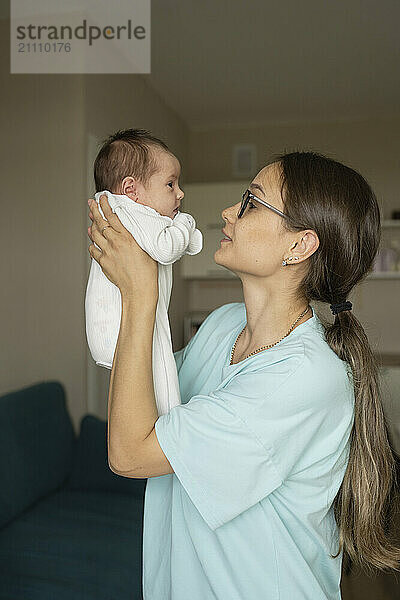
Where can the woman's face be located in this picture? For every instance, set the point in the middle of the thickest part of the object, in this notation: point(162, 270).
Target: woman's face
point(259, 242)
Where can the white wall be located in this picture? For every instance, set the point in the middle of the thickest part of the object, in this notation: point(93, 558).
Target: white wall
point(45, 122)
point(119, 102)
point(42, 237)
point(370, 146)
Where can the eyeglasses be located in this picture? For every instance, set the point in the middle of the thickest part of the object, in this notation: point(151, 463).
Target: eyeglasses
point(247, 196)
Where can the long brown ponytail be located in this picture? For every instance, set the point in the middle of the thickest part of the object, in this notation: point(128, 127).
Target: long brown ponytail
point(335, 201)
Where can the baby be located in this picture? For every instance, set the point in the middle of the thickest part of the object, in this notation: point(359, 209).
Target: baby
point(139, 175)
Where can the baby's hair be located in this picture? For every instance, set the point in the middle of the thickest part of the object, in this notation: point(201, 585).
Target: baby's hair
point(126, 153)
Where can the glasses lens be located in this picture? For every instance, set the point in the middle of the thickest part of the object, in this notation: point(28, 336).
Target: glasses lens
point(245, 199)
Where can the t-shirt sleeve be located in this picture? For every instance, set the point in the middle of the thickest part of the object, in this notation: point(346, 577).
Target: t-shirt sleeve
point(223, 466)
point(236, 445)
point(223, 463)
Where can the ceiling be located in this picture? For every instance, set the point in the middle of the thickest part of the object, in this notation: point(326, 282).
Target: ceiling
point(231, 63)
point(235, 62)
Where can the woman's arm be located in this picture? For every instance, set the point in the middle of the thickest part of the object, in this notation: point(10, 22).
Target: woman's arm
point(132, 409)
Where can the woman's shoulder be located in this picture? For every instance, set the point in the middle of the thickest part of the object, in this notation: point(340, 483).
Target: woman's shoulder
point(304, 363)
point(326, 374)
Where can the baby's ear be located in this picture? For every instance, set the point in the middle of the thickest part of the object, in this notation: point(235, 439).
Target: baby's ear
point(129, 188)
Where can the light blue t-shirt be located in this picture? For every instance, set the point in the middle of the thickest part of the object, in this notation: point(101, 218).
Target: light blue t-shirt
point(259, 450)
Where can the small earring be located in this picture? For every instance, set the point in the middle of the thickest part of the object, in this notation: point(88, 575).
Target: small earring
point(284, 262)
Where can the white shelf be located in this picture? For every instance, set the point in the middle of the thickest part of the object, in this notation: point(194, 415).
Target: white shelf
point(391, 223)
point(206, 202)
point(384, 275)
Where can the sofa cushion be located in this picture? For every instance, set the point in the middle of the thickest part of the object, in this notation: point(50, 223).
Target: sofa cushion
point(36, 446)
point(90, 470)
point(74, 545)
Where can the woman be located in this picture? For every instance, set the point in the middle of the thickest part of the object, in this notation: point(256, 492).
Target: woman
point(278, 459)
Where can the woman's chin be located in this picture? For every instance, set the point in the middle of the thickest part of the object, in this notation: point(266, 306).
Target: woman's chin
point(218, 259)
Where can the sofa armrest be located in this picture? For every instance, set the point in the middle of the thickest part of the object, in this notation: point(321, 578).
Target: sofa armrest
point(36, 446)
point(90, 470)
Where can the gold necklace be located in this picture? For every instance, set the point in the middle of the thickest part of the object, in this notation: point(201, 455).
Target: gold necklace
point(269, 345)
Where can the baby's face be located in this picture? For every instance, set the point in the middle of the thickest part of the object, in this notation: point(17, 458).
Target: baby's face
point(162, 191)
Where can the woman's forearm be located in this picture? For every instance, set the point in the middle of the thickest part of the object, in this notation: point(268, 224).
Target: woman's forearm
point(132, 409)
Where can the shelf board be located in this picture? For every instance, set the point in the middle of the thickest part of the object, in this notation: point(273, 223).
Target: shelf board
point(391, 223)
point(384, 275)
point(389, 359)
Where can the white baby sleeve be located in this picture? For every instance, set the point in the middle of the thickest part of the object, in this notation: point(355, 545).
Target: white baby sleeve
point(163, 238)
point(195, 243)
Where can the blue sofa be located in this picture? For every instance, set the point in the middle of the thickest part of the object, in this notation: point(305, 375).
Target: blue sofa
point(71, 529)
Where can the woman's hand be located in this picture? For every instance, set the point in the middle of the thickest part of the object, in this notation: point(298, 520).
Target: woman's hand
point(120, 257)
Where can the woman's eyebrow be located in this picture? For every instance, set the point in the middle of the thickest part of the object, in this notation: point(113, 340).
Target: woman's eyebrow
point(257, 187)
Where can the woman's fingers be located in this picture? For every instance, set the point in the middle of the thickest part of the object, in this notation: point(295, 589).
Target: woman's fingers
point(97, 218)
point(97, 225)
point(108, 213)
point(95, 252)
point(96, 230)
point(95, 236)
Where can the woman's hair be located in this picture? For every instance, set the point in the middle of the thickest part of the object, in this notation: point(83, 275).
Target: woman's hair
point(126, 153)
point(336, 202)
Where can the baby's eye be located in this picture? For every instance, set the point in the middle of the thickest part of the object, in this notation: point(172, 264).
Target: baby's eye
point(171, 183)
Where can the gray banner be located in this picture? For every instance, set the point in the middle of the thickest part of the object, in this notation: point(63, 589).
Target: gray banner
point(86, 36)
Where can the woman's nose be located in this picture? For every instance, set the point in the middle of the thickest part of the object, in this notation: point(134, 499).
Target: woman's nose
point(229, 214)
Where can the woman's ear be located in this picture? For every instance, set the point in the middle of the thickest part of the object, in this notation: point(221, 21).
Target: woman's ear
point(307, 244)
point(129, 188)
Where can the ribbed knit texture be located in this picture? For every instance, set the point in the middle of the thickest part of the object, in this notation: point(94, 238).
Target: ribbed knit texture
point(166, 240)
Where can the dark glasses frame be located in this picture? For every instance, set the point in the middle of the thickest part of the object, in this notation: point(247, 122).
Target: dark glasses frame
point(248, 195)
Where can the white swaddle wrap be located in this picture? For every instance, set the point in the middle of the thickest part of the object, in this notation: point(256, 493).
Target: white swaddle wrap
point(166, 240)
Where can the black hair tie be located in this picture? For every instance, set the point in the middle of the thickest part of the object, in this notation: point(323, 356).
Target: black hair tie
point(337, 308)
